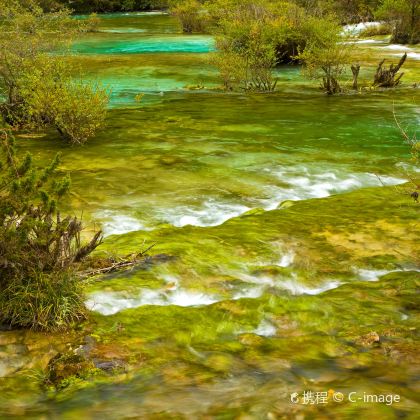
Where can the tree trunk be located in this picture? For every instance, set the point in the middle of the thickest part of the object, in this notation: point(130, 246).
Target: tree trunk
point(355, 68)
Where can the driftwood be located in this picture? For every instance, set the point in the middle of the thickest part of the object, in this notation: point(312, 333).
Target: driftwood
point(388, 77)
point(355, 69)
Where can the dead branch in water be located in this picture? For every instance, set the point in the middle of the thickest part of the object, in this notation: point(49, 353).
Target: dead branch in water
point(387, 77)
point(128, 261)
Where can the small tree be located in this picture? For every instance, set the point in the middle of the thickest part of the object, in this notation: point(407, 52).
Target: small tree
point(49, 96)
point(247, 64)
point(39, 250)
point(326, 56)
point(413, 190)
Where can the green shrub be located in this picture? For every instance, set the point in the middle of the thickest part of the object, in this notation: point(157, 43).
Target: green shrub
point(92, 23)
point(190, 15)
point(39, 250)
point(254, 36)
point(36, 86)
point(324, 56)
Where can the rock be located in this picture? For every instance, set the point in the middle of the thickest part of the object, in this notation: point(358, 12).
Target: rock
point(109, 365)
point(250, 339)
point(64, 366)
point(368, 340)
point(286, 204)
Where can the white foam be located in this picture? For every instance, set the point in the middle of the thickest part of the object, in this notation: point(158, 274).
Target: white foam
point(265, 329)
point(413, 55)
point(212, 213)
point(110, 303)
point(371, 275)
point(290, 284)
point(368, 41)
point(286, 260)
point(305, 183)
point(114, 223)
point(375, 275)
point(408, 167)
point(296, 288)
point(397, 47)
point(355, 29)
point(249, 293)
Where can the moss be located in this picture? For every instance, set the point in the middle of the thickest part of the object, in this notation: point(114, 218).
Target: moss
point(64, 369)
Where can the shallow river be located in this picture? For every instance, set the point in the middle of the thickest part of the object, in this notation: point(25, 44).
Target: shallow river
point(282, 236)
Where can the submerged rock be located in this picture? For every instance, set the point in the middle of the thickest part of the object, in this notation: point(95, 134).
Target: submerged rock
point(110, 365)
point(62, 367)
point(368, 340)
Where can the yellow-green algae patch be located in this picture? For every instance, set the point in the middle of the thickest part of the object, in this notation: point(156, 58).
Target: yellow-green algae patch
point(274, 344)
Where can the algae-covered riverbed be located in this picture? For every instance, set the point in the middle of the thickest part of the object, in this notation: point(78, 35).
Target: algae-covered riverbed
point(286, 261)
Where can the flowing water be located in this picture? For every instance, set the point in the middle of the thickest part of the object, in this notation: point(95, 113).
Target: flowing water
point(281, 241)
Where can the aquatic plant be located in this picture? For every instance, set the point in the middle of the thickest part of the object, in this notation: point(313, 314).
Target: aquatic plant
point(39, 249)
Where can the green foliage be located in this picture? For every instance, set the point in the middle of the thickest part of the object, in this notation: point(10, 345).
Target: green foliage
point(347, 11)
point(92, 23)
point(404, 17)
point(36, 85)
point(254, 36)
point(324, 56)
point(39, 250)
point(189, 13)
point(103, 6)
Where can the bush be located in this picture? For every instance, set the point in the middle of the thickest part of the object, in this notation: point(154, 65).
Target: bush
point(36, 83)
point(255, 36)
point(324, 57)
point(92, 23)
point(39, 250)
point(189, 14)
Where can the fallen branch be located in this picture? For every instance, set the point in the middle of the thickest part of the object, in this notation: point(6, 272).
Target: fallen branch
point(126, 262)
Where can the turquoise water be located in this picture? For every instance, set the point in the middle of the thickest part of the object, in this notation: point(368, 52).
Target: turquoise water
point(194, 44)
